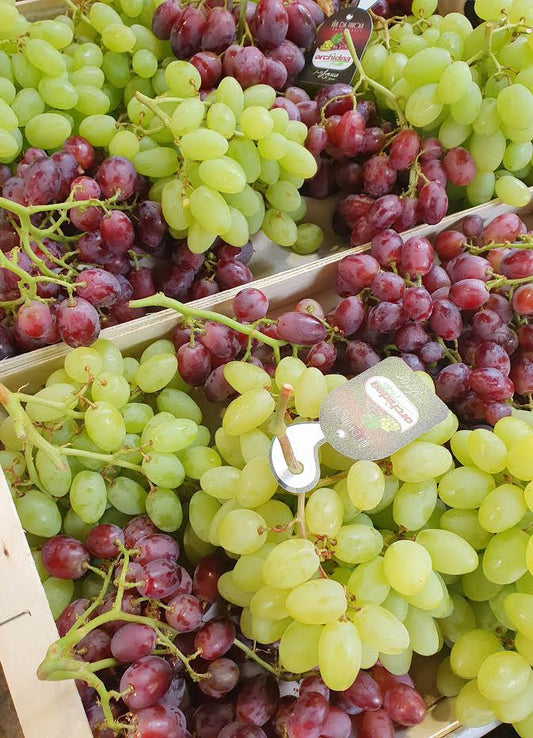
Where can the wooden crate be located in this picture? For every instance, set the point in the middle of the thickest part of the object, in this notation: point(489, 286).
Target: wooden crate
point(28, 628)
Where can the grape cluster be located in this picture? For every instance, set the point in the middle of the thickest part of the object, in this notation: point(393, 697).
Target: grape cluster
point(212, 37)
point(66, 273)
point(467, 87)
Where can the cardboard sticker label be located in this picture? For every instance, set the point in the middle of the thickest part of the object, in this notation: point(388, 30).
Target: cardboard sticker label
point(329, 59)
point(380, 411)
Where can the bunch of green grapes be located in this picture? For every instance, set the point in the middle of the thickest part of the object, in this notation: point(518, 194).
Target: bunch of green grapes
point(55, 73)
point(467, 87)
point(229, 166)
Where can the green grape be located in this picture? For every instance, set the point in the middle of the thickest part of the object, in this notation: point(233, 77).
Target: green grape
point(424, 8)
point(272, 147)
point(170, 436)
point(163, 469)
point(8, 435)
point(223, 175)
point(88, 496)
point(8, 91)
point(238, 234)
point(74, 526)
point(505, 556)
point(105, 426)
point(512, 191)
point(158, 162)
point(26, 105)
point(269, 631)
point(202, 144)
point(24, 72)
point(229, 448)
point(241, 531)
point(465, 488)
point(414, 503)
point(248, 570)
point(309, 237)
point(202, 510)
point(299, 646)
point(83, 364)
point(127, 495)
point(393, 69)
point(424, 633)
point(277, 515)
point(280, 228)
point(231, 592)
point(183, 78)
point(443, 431)
point(47, 130)
point(63, 394)
point(487, 121)
point(317, 602)
point(515, 709)
point(515, 106)
point(111, 388)
point(88, 54)
point(396, 605)
point(419, 461)
point(491, 9)
point(270, 171)
point(164, 509)
point(450, 554)
point(310, 391)
point(333, 459)
point(460, 621)
point(298, 160)
point(55, 481)
point(88, 75)
point(427, 66)
point(448, 683)
point(255, 122)
point(524, 646)
point(397, 664)
point(451, 41)
point(118, 38)
point(381, 629)
point(288, 371)
point(423, 106)
point(518, 608)
point(44, 57)
point(280, 118)
point(245, 153)
point(14, 465)
point(471, 708)
point(324, 512)
point(172, 203)
point(253, 444)
point(243, 376)
point(433, 596)
point(59, 593)
point(284, 196)
point(91, 100)
point(517, 155)
point(366, 484)
point(296, 131)
point(488, 151)
point(269, 603)
point(156, 373)
point(467, 108)
point(124, 143)
point(221, 119)
point(98, 129)
point(339, 654)
point(259, 95)
point(520, 458)
point(248, 412)
point(459, 447)
point(144, 63)
point(373, 60)
point(368, 582)
point(116, 68)
point(199, 459)
point(220, 482)
point(255, 485)
point(407, 566)
point(481, 188)
point(290, 563)
point(502, 508)
point(101, 15)
point(452, 134)
point(465, 524)
point(210, 209)
point(357, 543)
point(38, 513)
point(503, 675)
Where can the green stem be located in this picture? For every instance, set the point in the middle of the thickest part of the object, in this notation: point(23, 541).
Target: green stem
point(252, 655)
point(50, 403)
point(376, 85)
point(104, 458)
point(161, 300)
point(154, 107)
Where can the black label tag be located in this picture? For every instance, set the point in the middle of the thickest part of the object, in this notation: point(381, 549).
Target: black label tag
point(329, 59)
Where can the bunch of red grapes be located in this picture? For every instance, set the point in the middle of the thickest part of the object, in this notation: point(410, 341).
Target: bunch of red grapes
point(236, 698)
point(107, 254)
point(211, 36)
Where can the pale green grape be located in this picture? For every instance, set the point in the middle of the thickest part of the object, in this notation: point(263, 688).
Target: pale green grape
point(503, 675)
point(452, 134)
point(260, 95)
point(164, 509)
point(373, 60)
point(220, 482)
point(105, 426)
point(488, 151)
point(280, 227)
point(423, 106)
point(393, 69)
point(290, 564)
point(188, 116)
point(284, 196)
point(491, 9)
point(517, 708)
point(467, 108)
point(88, 496)
point(414, 503)
point(277, 515)
point(512, 191)
point(288, 371)
point(255, 122)
point(62, 394)
point(460, 621)
point(223, 175)
point(111, 388)
point(158, 162)
point(153, 375)
point(520, 458)
point(298, 160)
point(163, 470)
point(136, 415)
point(296, 131)
point(13, 465)
point(101, 14)
point(272, 147)
point(243, 376)
point(487, 121)
point(519, 609)
point(255, 484)
point(381, 629)
point(38, 513)
point(309, 238)
point(419, 461)
point(356, 543)
point(118, 37)
point(407, 566)
point(481, 188)
point(448, 683)
point(248, 412)
point(443, 431)
point(59, 593)
point(428, 65)
point(58, 92)
point(396, 605)
point(502, 508)
point(316, 602)
point(245, 153)
point(26, 105)
point(269, 603)
point(98, 129)
point(172, 204)
point(366, 484)
point(299, 647)
point(398, 663)
point(477, 587)
point(171, 435)
point(199, 459)
point(231, 592)
point(368, 582)
point(127, 495)
point(242, 531)
point(44, 56)
point(202, 510)
point(450, 554)
point(459, 447)
point(511, 429)
point(91, 100)
point(229, 448)
point(432, 596)
point(253, 444)
point(83, 363)
point(524, 646)
point(270, 171)
point(517, 155)
point(247, 573)
point(55, 481)
point(221, 118)
point(310, 391)
point(116, 68)
point(465, 488)
point(424, 8)
point(323, 515)
point(424, 635)
point(339, 654)
point(124, 143)
point(238, 234)
point(210, 209)
point(47, 130)
point(505, 556)
point(452, 42)
point(515, 106)
point(144, 63)
point(471, 708)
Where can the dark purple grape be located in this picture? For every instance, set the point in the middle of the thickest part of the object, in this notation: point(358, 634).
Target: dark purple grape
point(164, 17)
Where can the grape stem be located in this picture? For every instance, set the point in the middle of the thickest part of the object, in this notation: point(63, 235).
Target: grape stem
point(161, 300)
point(280, 430)
point(372, 83)
point(252, 655)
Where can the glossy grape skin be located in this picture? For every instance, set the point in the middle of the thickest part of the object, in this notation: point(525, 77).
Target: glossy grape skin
point(149, 678)
point(64, 557)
